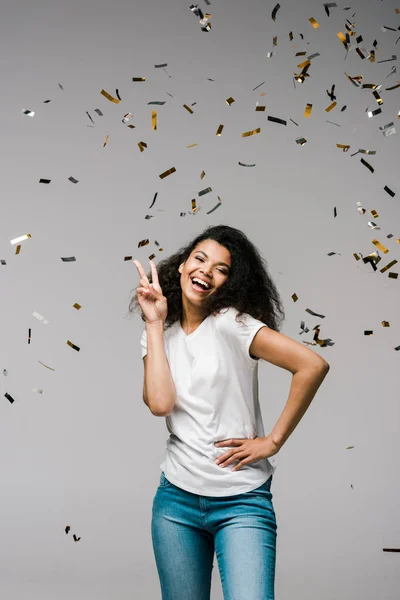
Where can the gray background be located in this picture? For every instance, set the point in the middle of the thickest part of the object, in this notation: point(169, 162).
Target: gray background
point(87, 451)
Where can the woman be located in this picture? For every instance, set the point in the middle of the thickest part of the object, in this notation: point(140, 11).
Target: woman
point(200, 348)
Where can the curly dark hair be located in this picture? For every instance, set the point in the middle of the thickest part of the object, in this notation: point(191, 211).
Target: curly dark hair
point(262, 301)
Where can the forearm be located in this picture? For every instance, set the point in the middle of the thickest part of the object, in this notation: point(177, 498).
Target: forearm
point(158, 381)
point(304, 386)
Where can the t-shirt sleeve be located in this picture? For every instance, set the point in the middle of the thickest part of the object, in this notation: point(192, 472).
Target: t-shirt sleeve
point(143, 343)
point(240, 333)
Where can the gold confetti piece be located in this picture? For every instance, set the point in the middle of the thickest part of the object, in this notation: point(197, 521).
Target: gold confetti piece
point(205, 191)
point(230, 101)
point(380, 246)
point(77, 306)
point(308, 110)
point(75, 538)
point(194, 207)
point(377, 97)
point(314, 314)
point(374, 214)
point(388, 266)
point(253, 132)
point(142, 146)
point(300, 53)
point(154, 119)
point(245, 165)
point(71, 345)
point(106, 141)
point(341, 37)
point(291, 36)
point(26, 111)
point(138, 78)
point(192, 146)
point(304, 64)
point(397, 11)
point(9, 398)
point(368, 332)
point(275, 41)
point(344, 148)
point(295, 297)
point(385, 324)
point(273, 15)
point(219, 130)
point(301, 141)
point(166, 173)
point(313, 22)
point(260, 108)
point(331, 106)
point(202, 174)
point(109, 97)
point(188, 108)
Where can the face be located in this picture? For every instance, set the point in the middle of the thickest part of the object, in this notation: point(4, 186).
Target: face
point(210, 262)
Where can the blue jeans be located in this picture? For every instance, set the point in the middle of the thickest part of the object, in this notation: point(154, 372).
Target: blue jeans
point(186, 529)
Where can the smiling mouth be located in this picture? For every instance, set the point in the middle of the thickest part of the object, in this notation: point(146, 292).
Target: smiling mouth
point(199, 288)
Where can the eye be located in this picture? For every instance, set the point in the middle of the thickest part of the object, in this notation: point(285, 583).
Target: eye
point(220, 270)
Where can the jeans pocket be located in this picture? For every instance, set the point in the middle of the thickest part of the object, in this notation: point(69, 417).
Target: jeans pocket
point(164, 481)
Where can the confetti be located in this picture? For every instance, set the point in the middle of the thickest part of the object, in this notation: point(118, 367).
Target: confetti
point(44, 180)
point(161, 66)
point(219, 130)
point(188, 108)
point(275, 41)
point(377, 97)
point(142, 146)
point(205, 191)
point(73, 180)
point(259, 85)
point(301, 141)
point(331, 106)
point(109, 97)
point(343, 147)
point(394, 57)
point(308, 110)
point(158, 102)
point(373, 113)
point(313, 22)
point(328, 6)
point(260, 108)
point(389, 191)
point(154, 119)
point(314, 314)
point(393, 87)
point(380, 246)
point(191, 145)
point(26, 111)
point(253, 132)
point(71, 345)
point(138, 78)
point(270, 54)
point(273, 14)
point(166, 173)
point(106, 141)
point(276, 120)
point(366, 164)
point(230, 101)
point(244, 165)
point(388, 129)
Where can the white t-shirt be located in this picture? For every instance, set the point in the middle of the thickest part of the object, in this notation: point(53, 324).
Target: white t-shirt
point(216, 383)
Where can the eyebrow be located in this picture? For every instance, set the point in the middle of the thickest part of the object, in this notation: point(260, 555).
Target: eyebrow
point(220, 263)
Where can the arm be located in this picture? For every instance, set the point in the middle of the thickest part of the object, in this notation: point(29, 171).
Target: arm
point(159, 391)
point(308, 369)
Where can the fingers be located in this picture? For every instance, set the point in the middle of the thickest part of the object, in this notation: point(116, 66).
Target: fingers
point(143, 277)
point(154, 274)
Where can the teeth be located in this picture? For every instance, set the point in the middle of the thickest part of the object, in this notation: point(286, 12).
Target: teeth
point(197, 280)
